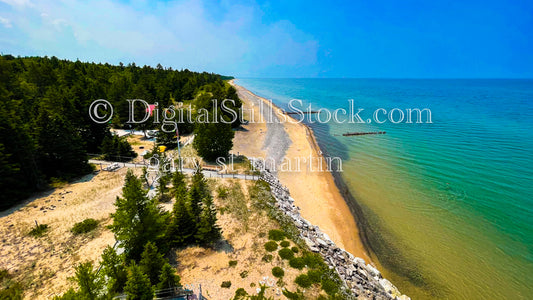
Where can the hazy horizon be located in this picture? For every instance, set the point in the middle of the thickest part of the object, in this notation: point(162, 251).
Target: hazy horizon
point(275, 39)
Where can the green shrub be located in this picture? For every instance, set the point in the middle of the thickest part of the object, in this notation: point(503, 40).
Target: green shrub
point(286, 253)
point(226, 284)
point(285, 244)
point(267, 258)
point(298, 295)
point(261, 198)
point(297, 263)
point(9, 289)
point(276, 235)
point(271, 246)
point(315, 275)
point(84, 226)
point(280, 282)
point(164, 198)
point(232, 263)
point(3, 274)
point(295, 249)
point(240, 293)
point(70, 294)
point(222, 192)
point(39, 230)
point(329, 286)
point(313, 260)
point(303, 281)
point(13, 291)
point(278, 272)
point(244, 274)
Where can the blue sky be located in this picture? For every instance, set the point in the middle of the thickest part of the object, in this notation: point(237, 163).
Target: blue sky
point(398, 39)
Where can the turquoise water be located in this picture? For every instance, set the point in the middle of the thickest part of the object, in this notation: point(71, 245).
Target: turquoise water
point(447, 206)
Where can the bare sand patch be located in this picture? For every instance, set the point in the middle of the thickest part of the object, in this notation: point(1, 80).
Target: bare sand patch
point(43, 264)
point(245, 232)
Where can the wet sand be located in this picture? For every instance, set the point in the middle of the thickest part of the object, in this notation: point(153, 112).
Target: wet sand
point(314, 192)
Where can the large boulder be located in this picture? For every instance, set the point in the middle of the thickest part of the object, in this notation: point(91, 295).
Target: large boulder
point(359, 262)
point(389, 287)
point(309, 242)
point(373, 271)
point(321, 242)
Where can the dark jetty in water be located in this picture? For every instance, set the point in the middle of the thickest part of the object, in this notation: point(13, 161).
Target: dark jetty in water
point(362, 133)
point(300, 112)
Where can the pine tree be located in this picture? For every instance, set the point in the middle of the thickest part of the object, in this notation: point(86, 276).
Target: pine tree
point(195, 200)
point(45, 129)
point(168, 278)
point(183, 225)
point(61, 149)
point(208, 231)
point(70, 294)
point(213, 140)
point(198, 179)
point(162, 189)
point(138, 286)
point(137, 219)
point(167, 136)
point(178, 180)
point(144, 178)
point(20, 174)
point(231, 94)
point(197, 193)
point(88, 281)
point(107, 148)
point(151, 262)
point(164, 179)
point(116, 148)
point(113, 267)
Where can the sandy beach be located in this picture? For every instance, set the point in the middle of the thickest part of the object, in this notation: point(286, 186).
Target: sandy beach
point(314, 192)
point(45, 264)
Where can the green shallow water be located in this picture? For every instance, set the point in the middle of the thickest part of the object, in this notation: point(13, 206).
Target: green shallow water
point(448, 205)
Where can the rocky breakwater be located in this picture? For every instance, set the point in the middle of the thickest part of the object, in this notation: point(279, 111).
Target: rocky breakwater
point(363, 280)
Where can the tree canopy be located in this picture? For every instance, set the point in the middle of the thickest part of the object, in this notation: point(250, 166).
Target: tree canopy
point(46, 130)
point(137, 219)
point(138, 286)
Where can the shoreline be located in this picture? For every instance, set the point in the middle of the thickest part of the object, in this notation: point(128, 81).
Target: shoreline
point(349, 199)
point(330, 211)
point(362, 238)
point(362, 230)
point(334, 213)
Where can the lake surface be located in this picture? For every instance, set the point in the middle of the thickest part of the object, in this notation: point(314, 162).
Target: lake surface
point(448, 204)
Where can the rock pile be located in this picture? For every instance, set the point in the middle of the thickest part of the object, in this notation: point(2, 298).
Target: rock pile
point(362, 279)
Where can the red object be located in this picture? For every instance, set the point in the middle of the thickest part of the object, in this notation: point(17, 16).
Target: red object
point(150, 108)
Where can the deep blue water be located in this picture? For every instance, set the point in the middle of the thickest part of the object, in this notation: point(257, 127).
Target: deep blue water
point(454, 196)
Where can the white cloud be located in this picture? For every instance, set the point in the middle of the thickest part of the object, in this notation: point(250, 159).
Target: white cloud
point(18, 3)
point(5, 22)
point(228, 38)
